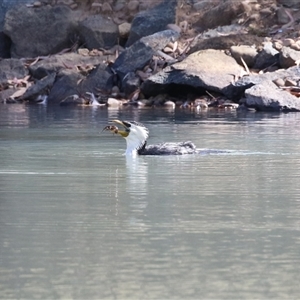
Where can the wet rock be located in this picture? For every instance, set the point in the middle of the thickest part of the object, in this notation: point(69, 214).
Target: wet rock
point(98, 32)
point(72, 100)
point(10, 69)
point(99, 79)
point(5, 95)
point(246, 52)
point(137, 56)
point(65, 85)
point(152, 20)
point(288, 57)
point(42, 31)
point(40, 87)
point(210, 70)
point(70, 82)
point(267, 97)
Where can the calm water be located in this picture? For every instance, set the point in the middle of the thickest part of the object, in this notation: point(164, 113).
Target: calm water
point(78, 220)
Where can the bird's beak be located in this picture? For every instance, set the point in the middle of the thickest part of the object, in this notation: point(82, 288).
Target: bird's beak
point(123, 133)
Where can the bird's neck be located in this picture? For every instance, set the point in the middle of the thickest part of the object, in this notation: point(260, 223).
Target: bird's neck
point(131, 149)
point(134, 149)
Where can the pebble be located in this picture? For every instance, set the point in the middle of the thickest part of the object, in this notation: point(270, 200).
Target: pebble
point(133, 5)
point(124, 29)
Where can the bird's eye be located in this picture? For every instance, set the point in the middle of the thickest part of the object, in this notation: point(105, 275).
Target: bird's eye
point(127, 124)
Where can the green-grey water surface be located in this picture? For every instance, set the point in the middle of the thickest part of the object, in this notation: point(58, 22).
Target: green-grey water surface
point(79, 220)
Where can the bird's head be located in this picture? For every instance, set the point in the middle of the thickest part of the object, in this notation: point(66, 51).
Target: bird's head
point(134, 133)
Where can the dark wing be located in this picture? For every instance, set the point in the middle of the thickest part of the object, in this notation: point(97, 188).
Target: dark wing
point(168, 149)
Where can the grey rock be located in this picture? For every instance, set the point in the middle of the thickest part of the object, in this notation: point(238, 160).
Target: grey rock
point(65, 85)
point(10, 69)
point(73, 100)
point(153, 20)
point(246, 52)
point(210, 70)
point(100, 79)
point(41, 31)
point(222, 14)
point(57, 63)
point(235, 91)
point(224, 42)
point(138, 55)
point(266, 96)
point(69, 82)
point(288, 57)
point(98, 32)
point(6, 5)
point(267, 57)
point(40, 87)
point(131, 83)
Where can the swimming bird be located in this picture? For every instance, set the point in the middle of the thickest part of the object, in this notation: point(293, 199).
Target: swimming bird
point(136, 135)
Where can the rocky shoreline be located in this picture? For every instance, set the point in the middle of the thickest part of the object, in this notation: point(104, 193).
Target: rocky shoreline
point(190, 54)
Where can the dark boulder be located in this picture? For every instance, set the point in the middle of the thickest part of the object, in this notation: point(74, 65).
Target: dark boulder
point(70, 82)
point(6, 5)
point(98, 32)
point(152, 20)
point(267, 57)
point(66, 84)
point(41, 31)
point(288, 57)
point(99, 79)
point(137, 56)
point(40, 87)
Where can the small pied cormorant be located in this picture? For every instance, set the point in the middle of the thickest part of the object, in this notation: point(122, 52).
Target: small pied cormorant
point(136, 135)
